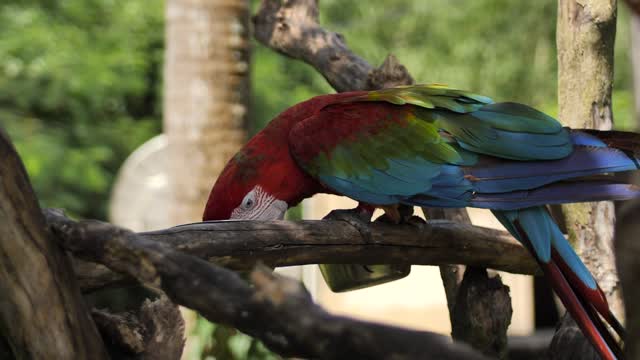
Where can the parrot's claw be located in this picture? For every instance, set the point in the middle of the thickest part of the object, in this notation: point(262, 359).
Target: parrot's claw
point(418, 222)
point(396, 214)
point(358, 219)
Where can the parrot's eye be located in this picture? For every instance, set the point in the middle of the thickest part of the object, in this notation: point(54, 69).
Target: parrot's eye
point(249, 200)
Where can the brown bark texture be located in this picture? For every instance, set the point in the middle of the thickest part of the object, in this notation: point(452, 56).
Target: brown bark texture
point(155, 331)
point(240, 245)
point(42, 314)
point(585, 38)
point(206, 96)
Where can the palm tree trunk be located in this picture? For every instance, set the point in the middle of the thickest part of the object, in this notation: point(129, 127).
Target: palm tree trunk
point(206, 95)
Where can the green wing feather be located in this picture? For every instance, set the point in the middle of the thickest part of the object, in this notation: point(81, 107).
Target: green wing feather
point(428, 96)
point(479, 124)
point(380, 152)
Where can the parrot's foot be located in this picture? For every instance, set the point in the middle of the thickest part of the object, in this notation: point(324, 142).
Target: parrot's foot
point(396, 214)
point(345, 277)
point(359, 218)
point(402, 214)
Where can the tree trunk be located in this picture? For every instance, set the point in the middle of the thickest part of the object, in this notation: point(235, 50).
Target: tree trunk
point(206, 95)
point(635, 62)
point(628, 259)
point(206, 98)
point(42, 314)
point(585, 39)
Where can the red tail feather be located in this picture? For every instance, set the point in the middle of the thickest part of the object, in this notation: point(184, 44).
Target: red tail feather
point(588, 321)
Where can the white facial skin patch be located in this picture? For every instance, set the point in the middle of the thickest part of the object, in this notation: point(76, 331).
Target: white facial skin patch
point(259, 205)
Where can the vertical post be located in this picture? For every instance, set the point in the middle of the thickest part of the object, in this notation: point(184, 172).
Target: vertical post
point(635, 62)
point(628, 261)
point(585, 38)
point(206, 95)
point(206, 99)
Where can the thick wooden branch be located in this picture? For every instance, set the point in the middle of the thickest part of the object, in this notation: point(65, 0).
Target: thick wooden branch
point(291, 27)
point(239, 245)
point(276, 310)
point(42, 314)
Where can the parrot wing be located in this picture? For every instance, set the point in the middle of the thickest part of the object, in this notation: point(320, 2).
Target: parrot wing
point(385, 146)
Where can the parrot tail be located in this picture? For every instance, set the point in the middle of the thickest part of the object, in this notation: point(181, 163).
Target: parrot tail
point(571, 280)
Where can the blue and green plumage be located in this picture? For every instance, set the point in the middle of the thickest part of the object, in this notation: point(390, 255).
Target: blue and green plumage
point(432, 146)
point(429, 145)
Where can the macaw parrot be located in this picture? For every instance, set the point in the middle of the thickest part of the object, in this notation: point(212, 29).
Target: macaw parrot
point(434, 146)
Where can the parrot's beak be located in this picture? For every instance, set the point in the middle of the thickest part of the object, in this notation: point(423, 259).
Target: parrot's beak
point(279, 209)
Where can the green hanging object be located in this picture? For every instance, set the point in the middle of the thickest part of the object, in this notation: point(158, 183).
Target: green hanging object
point(345, 277)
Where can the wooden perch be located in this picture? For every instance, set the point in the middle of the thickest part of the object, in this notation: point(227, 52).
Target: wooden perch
point(277, 310)
point(239, 245)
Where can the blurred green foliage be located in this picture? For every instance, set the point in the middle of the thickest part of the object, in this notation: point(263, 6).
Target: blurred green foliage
point(79, 90)
point(80, 83)
point(213, 341)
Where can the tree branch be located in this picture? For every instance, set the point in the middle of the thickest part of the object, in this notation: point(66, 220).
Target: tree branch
point(291, 27)
point(239, 245)
point(276, 310)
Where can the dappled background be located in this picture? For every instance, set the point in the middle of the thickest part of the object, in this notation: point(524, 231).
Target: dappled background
point(81, 80)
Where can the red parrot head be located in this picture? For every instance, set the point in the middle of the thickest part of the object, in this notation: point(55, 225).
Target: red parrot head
point(263, 180)
point(259, 183)
point(241, 192)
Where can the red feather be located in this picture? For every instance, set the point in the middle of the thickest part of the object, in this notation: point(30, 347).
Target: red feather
point(266, 160)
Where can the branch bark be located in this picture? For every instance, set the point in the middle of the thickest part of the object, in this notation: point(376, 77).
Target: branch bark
point(42, 314)
point(239, 245)
point(155, 331)
point(276, 310)
point(291, 28)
